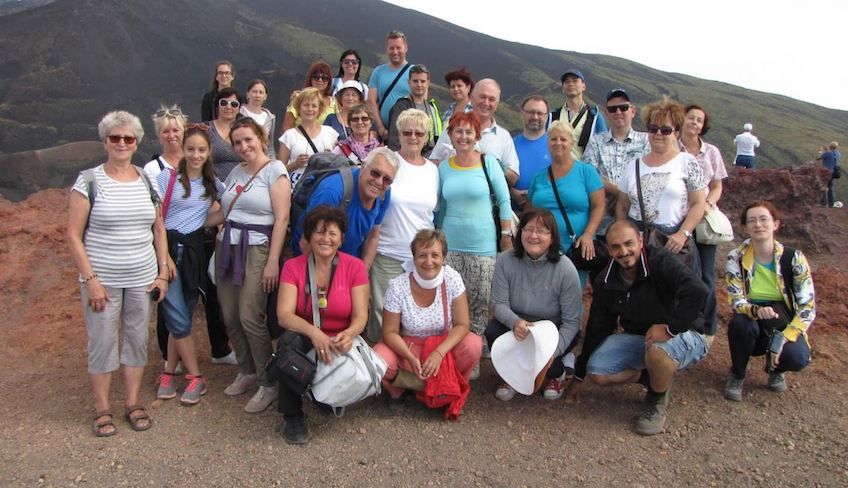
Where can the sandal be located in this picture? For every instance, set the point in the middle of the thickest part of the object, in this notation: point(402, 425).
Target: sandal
point(139, 422)
point(100, 424)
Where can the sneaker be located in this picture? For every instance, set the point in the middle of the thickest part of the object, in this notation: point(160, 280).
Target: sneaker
point(776, 382)
point(554, 388)
point(177, 370)
point(167, 386)
point(262, 399)
point(487, 353)
point(295, 431)
point(504, 393)
point(652, 419)
point(242, 384)
point(195, 389)
point(475, 373)
point(228, 359)
point(733, 389)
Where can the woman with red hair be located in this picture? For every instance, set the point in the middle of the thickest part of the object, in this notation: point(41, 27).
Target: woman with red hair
point(320, 77)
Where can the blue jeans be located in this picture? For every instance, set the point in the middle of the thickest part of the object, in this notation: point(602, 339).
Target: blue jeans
point(624, 351)
point(749, 162)
point(707, 254)
point(177, 308)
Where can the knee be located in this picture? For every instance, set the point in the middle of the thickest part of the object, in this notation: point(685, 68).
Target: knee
point(600, 379)
point(741, 326)
point(795, 356)
point(656, 358)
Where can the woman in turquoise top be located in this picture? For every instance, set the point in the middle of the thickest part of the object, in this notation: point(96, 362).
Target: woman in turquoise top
point(465, 214)
point(580, 189)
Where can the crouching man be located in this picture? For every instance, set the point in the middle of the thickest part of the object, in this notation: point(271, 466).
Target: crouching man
point(657, 302)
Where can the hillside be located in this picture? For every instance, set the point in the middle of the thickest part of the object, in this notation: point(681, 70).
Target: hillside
point(55, 82)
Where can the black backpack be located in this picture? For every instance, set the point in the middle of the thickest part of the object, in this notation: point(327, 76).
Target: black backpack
point(320, 166)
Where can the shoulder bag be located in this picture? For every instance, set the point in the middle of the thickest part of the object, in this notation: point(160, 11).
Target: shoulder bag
point(714, 228)
point(576, 255)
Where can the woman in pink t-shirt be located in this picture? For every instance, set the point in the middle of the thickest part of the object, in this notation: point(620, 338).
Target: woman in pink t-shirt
point(343, 291)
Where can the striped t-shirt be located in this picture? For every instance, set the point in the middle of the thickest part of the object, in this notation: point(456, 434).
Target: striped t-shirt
point(119, 238)
point(186, 215)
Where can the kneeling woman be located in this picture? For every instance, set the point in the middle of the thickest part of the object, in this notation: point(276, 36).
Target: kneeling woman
point(429, 300)
point(534, 282)
point(342, 284)
point(773, 301)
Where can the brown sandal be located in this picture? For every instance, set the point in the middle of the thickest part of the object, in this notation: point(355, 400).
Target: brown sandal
point(136, 422)
point(100, 424)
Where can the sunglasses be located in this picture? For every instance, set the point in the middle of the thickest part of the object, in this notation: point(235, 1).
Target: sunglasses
point(665, 130)
point(128, 140)
point(320, 77)
point(350, 62)
point(410, 133)
point(364, 118)
point(624, 107)
point(378, 175)
point(198, 126)
point(232, 103)
point(171, 112)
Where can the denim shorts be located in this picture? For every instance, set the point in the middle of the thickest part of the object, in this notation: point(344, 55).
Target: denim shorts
point(627, 351)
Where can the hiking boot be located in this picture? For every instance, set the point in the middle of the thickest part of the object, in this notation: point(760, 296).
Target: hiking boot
point(195, 389)
point(554, 388)
point(733, 389)
point(776, 382)
point(475, 373)
point(504, 393)
point(295, 431)
point(242, 384)
point(652, 419)
point(167, 386)
point(228, 359)
point(263, 399)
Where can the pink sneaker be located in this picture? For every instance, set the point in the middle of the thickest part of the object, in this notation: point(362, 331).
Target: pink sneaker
point(195, 389)
point(167, 386)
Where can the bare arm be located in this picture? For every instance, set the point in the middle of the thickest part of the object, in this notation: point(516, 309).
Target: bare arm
point(714, 194)
point(460, 328)
point(360, 296)
point(288, 123)
point(160, 244)
point(369, 248)
point(375, 109)
point(622, 206)
point(78, 210)
point(392, 338)
point(281, 203)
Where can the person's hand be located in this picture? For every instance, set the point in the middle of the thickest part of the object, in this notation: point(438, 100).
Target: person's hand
point(519, 197)
point(431, 365)
point(572, 393)
point(301, 161)
point(586, 244)
point(323, 346)
point(97, 295)
point(172, 269)
point(162, 284)
point(676, 242)
point(767, 313)
point(342, 342)
point(506, 243)
point(270, 277)
point(657, 333)
point(521, 330)
point(774, 356)
point(384, 134)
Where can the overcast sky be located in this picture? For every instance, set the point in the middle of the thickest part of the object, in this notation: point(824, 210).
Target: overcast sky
point(794, 48)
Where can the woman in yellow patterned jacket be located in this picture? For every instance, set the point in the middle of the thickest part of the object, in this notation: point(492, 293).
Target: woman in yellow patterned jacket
point(773, 301)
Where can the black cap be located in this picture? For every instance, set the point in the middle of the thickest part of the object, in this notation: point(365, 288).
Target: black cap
point(618, 92)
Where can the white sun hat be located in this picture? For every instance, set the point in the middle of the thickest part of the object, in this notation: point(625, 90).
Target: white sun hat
point(519, 362)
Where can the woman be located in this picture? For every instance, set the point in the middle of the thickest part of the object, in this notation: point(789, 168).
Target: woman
point(465, 213)
point(773, 301)
point(309, 137)
point(223, 155)
point(347, 97)
point(695, 124)
point(188, 195)
point(460, 85)
point(414, 197)
point(361, 141)
point(117, 242)
point(257, 94)
point(317, 77)
point(342, 281)
point(257, 198)
point(672, 181)
point(427, 300)
point(169, 123)
point(350, 63)
point(578, 187)
point(224, 76)
point(532, 283)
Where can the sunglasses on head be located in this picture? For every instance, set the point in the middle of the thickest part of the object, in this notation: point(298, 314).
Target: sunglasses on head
point(232, 103)
point(171, 112)
point(410, 133)
point(128, 140)
point(624, 107)
point(378, 175)
point(199, 126)
point(320, 77)
point(665, 130)
point(363, 118)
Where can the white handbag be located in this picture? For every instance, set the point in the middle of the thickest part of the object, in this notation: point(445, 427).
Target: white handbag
point(350, 377)
point(714, 228)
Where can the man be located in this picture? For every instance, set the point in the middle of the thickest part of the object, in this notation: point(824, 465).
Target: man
point(388, 82)
point(419, 97)
point(586, 121)
point(830, 160)
point(369, 200)
point(531, 146)
point(657, 301)
point(494, 140)
point(611, 150)
point(745, 145)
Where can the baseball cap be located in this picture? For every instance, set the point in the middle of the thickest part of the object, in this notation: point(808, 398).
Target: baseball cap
point(747, 127)
point(572, 72)
point(618, 92)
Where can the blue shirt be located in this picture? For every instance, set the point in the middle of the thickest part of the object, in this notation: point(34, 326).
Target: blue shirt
point(574, 189)
point(830, 159)
point(360, 220)
point(381, 78)
point(533, 156)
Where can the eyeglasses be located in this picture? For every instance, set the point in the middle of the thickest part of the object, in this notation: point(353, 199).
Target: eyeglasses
point(765, 219)
point(232, 103)
point(362, 119)
point(224, 73)
point(410, 133)
point(539, 231)
point(624, 107)
point(128, 140)
point(665, 130)
point(387, 180)
point(351, 62)
point(320, 77)
point(171, 112)
point(533, 113)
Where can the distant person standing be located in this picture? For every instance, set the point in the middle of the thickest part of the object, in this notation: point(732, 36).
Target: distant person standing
point(830, 160)
point(746, 143)
point(224, 76)
point(389, 82)
point(585, 121)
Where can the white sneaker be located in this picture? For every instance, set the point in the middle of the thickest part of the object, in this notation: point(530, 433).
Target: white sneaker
point(475, 373)
point(504, 393)
point(263, 399)
point(241, 384)
point(177, 370)
point(228, 359)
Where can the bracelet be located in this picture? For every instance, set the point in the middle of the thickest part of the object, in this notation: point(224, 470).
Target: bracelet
point(86, 280)
point(440, 353)
point(160, 278)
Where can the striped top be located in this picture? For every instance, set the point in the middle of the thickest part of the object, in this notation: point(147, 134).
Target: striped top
point(119, 238)
point(186, 215)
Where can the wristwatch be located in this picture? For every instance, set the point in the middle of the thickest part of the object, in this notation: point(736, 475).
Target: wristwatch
point(687, 233)
point(506, 233)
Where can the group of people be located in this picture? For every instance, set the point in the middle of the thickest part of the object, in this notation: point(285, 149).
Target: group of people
point(432, 247)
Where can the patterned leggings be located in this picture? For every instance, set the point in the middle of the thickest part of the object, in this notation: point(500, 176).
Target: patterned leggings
point(477, 273)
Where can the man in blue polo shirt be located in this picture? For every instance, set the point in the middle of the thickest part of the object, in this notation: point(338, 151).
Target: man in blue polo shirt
point(368, 203)
point(532, 148)
point(382, 94)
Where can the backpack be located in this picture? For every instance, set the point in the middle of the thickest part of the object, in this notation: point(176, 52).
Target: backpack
point(320, 166)
point(91, 188)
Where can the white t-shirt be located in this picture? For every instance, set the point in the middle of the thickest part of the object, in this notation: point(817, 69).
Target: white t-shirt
point(665, 189)
point(297, 145)
point(254, 205)
point(746, 143)
point(414, 198)
point(152, 171)
point(416, 321)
